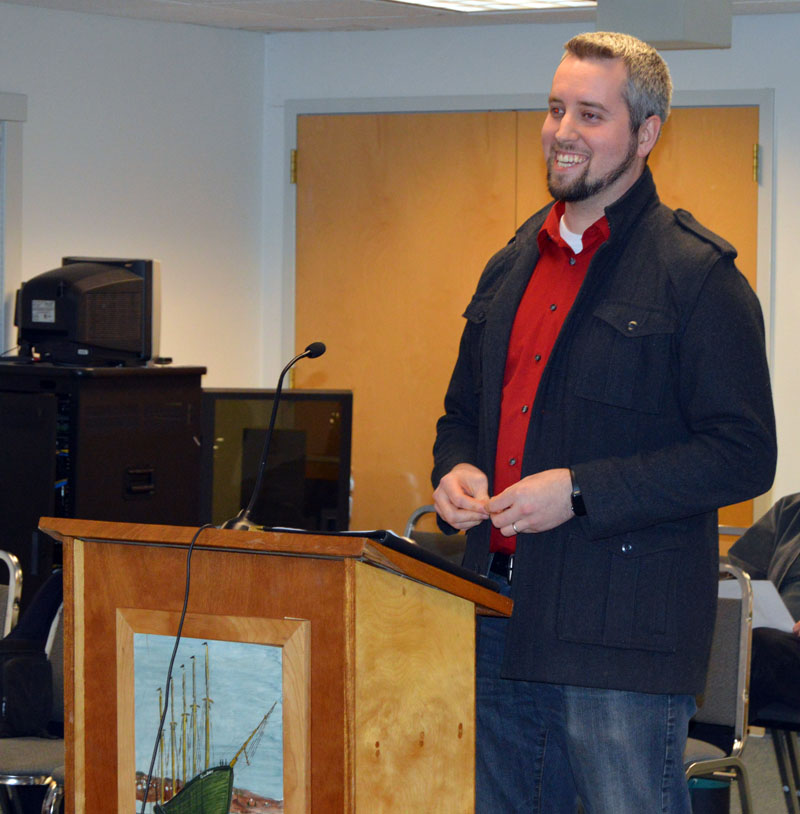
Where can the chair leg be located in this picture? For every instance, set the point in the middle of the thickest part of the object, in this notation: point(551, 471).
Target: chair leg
point(52, 798)
point(794, 761)
point(782, 756)
point(744, 790)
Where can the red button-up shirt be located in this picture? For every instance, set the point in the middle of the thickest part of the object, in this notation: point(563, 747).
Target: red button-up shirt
point(544, 306)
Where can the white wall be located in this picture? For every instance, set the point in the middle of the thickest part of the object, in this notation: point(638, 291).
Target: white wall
point(144, 139)
point(344, 69)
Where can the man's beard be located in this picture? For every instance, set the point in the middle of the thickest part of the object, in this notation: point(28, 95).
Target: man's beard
point(581, 188)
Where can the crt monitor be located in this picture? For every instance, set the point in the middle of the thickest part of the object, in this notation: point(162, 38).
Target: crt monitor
point(91, 311)
point(306, 483)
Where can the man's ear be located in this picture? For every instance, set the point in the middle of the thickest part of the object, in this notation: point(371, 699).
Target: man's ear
point(647, 136)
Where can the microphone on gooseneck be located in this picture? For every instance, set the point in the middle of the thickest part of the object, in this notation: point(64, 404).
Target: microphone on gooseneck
point(243, 521)
point(312, 351)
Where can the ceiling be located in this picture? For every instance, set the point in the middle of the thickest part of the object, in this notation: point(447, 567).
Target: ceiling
point(272, 16)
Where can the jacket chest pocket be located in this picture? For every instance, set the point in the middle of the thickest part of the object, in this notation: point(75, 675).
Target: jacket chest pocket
point(619, 595)
point(625, 356)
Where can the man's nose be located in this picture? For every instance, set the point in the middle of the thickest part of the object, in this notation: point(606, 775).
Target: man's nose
point(566, 130)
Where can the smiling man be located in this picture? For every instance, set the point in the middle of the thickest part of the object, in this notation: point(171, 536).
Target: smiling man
point(611, 392)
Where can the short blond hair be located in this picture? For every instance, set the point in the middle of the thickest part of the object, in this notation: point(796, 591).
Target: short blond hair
point(649, 89)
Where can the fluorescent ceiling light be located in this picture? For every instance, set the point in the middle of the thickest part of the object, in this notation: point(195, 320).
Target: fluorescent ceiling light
point(501, 5)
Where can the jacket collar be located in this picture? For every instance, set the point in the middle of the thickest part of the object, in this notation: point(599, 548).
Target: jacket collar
point(626, 210)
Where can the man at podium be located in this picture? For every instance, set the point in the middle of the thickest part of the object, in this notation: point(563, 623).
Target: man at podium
point(611, 392)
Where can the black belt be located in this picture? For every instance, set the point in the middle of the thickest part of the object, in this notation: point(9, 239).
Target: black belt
point(502, 565)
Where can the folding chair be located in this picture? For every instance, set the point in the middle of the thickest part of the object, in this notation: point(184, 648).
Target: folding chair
point(55, 792)
point(38, 761)
point(782, 722)
point(724, 701)
point(10, 593)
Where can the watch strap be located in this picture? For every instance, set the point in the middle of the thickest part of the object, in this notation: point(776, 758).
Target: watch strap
point(578, 506)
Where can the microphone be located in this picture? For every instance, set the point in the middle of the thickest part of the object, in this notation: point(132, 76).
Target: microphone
point(243, 521)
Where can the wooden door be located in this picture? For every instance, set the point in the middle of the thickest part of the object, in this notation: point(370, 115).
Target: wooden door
point(397, 215)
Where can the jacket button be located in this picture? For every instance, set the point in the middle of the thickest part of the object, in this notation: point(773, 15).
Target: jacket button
point(632, 326)
point(626, 547)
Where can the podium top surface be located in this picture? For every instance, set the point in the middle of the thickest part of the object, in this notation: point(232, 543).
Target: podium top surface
point(287, 543)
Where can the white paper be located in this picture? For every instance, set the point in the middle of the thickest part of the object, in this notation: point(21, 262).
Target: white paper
point(769, 609)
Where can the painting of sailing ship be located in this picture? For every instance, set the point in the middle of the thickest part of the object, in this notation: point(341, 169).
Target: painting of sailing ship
point(221, 748)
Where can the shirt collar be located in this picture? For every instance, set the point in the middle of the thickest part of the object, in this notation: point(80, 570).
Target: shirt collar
point(596, 234)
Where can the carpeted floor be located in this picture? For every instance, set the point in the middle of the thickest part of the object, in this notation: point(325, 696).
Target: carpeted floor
point(759, 757)
point(762, 771)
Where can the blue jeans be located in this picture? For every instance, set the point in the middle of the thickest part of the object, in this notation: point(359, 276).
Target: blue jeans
point(541, 747)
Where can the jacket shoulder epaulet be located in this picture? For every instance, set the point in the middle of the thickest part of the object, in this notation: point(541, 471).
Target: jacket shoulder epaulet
point(688, 222)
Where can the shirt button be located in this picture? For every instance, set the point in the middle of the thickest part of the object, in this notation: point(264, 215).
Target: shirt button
point(524, 408)
point(553, 307)
point(572, 261)
point(512, 461)
point(538, 357)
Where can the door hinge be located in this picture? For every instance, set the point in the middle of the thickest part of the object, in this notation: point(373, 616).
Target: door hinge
point(293, 167)
point(756, 162)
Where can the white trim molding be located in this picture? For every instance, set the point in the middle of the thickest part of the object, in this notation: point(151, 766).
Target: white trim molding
point(13, 112)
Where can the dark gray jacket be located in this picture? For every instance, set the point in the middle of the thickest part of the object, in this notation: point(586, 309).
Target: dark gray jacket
point(657, 394)
point(770, 549)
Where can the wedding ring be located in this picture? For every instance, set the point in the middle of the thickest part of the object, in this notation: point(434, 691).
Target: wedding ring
point(514, 526)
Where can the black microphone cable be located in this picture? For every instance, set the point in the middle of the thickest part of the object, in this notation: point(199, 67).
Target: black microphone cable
point(172, 662)
point(242, 520)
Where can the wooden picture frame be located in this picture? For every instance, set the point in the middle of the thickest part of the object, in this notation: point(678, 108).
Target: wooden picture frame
point(292, 636)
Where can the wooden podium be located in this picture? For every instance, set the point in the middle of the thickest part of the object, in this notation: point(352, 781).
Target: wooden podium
point(376, 647)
